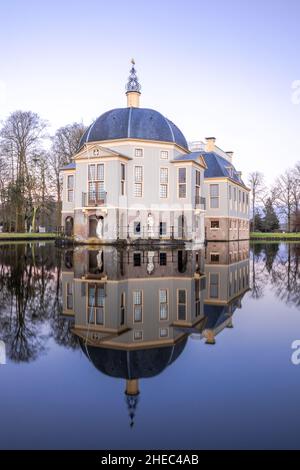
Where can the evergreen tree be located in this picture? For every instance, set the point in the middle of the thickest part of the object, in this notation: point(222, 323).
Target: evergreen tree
point(270, 220)
point(258, 222)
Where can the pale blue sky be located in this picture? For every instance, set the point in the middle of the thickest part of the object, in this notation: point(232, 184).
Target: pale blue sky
point(219, 67)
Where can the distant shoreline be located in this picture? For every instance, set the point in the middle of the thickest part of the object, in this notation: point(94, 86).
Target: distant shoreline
point(12, 236)
point(276, 236)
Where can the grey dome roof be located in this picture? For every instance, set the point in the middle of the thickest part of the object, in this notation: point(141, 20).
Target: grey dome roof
point(134, 123)
point(135, 364)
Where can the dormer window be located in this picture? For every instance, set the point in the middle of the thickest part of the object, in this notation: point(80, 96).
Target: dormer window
point(139, 152)
point(230, 171)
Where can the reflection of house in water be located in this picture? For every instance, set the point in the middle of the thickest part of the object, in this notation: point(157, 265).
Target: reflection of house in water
point(130, 308)
point(133, 310)
point(227, 280)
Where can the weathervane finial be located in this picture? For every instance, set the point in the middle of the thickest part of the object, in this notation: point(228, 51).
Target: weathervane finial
point(133, 81)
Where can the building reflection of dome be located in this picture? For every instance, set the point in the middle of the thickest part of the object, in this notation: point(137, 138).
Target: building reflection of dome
point(133, 364)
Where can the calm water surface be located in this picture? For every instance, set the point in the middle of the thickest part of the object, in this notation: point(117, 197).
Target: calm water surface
point(104, 349)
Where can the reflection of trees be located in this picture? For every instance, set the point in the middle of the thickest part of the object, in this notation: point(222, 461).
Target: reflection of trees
point(61, 328)
point(30, 299)
point(286, 275)
point(278, 266)
point(257, 270)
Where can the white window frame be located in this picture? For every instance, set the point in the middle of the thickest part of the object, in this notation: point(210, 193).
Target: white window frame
point(134, 335)
point(123, 180)
point(138, 182)
point(163, 303)
point(166, 152)
point(164, 329)
point(141, 305)
point(137, 150)
point(70, 190)
point(95, 306)
point(69, 294)
point(214, 197)
point(164, 184)
point(96, 181)
point(181, 184)
point(177, 304)
point(197, 186)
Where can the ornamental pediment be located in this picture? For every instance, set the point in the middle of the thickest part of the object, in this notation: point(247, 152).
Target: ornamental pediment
point(98, 151)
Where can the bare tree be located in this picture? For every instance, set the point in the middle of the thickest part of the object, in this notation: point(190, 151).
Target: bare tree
point(296, 196)
point(284, 195)
point(256, 183)
point(65, 143)
point(21, 137)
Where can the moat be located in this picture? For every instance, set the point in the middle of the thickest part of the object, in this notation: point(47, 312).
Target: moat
point(106, 348)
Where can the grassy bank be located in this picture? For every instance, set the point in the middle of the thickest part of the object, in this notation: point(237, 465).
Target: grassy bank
point(27, 236)
point(275, 236)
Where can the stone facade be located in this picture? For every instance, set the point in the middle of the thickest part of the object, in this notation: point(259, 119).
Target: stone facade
point(134, 178)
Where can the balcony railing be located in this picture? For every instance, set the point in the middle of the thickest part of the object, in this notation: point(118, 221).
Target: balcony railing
point(200, 202)
point(93, 199)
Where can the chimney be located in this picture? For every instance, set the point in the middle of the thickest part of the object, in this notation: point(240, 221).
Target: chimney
point(230, 155)
point(210, 144)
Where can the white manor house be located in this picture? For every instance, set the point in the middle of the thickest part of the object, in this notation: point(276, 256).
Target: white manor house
point(135, 178)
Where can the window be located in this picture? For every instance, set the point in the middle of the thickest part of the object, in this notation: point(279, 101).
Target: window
point(214, 224)
point(138, 181)
point(136, 259)
point(139, 153)
point(123, 177)
point(137, 228)
point(197, 187)
point(163, 182)
point(137, 335)
point(234, 194)
point(181, 182)
point(240, 197)
point(181, 304)
point(163, 259)
point(138, 306)
point(214, 257)
point(214, 286)
point(163, 332)
point(163, 305)
point(70, 188)
point(162, 228)
point(164, 154)
point(230, 171)
point(214, 196)
point(122, 309)
point(197, 297)
point(96, 302)
point(243, 198)
point(96, 182)
point(69, 296)
point(230, 192)
point(247, 199)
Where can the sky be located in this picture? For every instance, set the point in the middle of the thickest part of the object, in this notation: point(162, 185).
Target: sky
point(223, 68)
